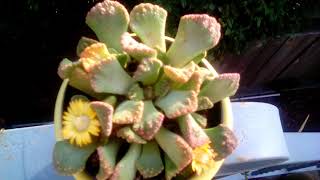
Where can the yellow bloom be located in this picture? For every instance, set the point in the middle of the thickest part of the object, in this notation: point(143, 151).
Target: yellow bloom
point(80, 123)
point(202, 158)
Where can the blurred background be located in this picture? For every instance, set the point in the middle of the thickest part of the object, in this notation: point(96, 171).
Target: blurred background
point(274, 45)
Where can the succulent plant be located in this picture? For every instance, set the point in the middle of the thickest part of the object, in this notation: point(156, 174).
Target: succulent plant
point(143, 96)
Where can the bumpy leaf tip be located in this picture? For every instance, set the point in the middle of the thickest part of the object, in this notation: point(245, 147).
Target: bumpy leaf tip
point(128, 112)
point(192, 132)
point(109, 77)
point(69, 159)
point(223, 141)
point(195, 82)
point(175, 147)
point(107, 158)
point(208, 23)
point(150, 123)
point(104, 112)
point(196, 34)
point(148, 71)
point(223, 86)
point(204, 103)
point(126, 167)
point(78, 77)
point(150, 163)
point(93, 54)
point(178, 103)
point(66, 67)
point(128, 134)
point(135, 49)
point(148, 22)
point(109, 20)
point(83, 43)
point(96, 51)
point(180, 75)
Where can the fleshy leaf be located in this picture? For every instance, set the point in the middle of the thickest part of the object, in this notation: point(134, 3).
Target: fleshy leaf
point(83, 43)
point(148, 92)
point(69, 159)
point(107, 158)
point(150, 163)
point(148, 21)
point(113, 51)
point(162, 56)
point(82, 175)
point(175, 147)
point(128, 134)
point(135, 49)
point(223, 86)
point(201, 120)
point(181, 75)
point(123, 59)
point(78, 78)
point(162, 87)
point(112, 100)
point(178, 103)
point(223, 141)
point(81, 97)
point(97, 51)
point(128, 112)
point(135, 93)
point(109, 77)
point(126, 168)
point(109, 20)
point(198, 58)
point(104, 113)
point(196, 34)
point(148, 71)
point(204, 103)
point(171, 169)
point(185, 173)
point(208, 75)
point(93, 54)
point(192, 132)
point(194, 82)
point(66, 67)
point(150, 123)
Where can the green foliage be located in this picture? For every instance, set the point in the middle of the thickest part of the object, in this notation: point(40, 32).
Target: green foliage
point(242, 21)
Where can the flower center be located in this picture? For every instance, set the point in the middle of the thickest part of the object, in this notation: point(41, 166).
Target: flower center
point(81, 123)
point(203, 158)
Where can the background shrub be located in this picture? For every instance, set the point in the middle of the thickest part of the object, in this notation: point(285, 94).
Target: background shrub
point(242, 21)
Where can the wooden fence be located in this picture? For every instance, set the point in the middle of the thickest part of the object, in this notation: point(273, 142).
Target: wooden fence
point(296, 56)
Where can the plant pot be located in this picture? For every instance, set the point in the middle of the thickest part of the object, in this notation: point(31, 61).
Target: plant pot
point(226, 119)
point(25, 150)
point(261, 141)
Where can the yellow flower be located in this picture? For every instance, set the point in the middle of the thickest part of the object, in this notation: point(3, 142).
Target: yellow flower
point(202, 159)
point(80, 123)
